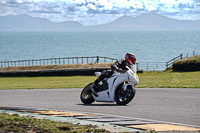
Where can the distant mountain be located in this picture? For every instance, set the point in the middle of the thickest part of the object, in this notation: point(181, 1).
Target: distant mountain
point(151, 21)
point(27, 23)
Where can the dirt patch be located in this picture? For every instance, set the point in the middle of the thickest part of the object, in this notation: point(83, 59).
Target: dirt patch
point(55, 67)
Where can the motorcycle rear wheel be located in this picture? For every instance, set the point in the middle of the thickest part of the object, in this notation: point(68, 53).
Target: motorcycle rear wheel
point(124, 97)
point(86, 95)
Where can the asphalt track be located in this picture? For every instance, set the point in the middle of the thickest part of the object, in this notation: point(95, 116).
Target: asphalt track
point(176, 105)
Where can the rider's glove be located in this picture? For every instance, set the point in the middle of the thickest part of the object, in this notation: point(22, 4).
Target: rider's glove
point(121, 71)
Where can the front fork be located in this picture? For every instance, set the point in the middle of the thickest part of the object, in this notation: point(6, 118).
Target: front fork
point(125, 85)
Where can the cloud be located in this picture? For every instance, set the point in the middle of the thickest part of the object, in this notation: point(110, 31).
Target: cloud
point(90, 12)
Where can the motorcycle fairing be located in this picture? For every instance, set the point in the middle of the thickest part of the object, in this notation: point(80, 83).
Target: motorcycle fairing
point(114, 81)
point(107, 95)
point(111, 89)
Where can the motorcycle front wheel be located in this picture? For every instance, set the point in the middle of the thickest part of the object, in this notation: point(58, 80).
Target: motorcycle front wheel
point(124, 97)
point(86, 95)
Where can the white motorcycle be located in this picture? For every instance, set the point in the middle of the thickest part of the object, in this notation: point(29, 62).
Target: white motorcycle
point(119, 88)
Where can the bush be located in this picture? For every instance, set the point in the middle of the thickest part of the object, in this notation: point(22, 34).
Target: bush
point(189, 64)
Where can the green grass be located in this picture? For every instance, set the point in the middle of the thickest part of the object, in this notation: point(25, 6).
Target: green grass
point(170, 79)
point(45, 82)
point(15, 123)
point(147, 79)
point(192, 60)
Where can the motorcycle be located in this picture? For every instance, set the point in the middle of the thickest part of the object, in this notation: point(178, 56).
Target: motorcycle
point(119, 88)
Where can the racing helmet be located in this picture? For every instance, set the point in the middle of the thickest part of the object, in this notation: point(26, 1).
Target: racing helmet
point(131, 58)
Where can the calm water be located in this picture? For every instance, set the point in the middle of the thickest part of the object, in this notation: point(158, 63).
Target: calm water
point(149, 46)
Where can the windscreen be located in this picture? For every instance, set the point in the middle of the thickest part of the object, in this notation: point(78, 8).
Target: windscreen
point(134, 68)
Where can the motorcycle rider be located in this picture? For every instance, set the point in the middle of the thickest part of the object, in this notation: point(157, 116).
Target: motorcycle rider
point(119, 66)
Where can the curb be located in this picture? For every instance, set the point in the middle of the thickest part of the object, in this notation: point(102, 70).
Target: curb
point(108, 122)
point(69, 119)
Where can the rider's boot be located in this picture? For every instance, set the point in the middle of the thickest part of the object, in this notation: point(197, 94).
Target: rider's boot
point(94, 87)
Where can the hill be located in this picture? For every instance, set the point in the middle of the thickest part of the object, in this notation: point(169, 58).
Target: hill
point(189, 64)
point(28, 23)
point(151, 21)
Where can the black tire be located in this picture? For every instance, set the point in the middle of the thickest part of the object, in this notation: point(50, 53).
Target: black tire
point(124, 97)
point(86, 95)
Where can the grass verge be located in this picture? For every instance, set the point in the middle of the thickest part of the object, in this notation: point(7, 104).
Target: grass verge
point(170, 79)
point(15, 123)
point(45, 82)
point(166, 79)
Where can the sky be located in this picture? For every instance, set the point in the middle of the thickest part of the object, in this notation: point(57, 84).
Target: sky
point(96, 12)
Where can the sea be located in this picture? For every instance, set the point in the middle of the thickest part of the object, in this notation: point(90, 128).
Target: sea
point(148, 46)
